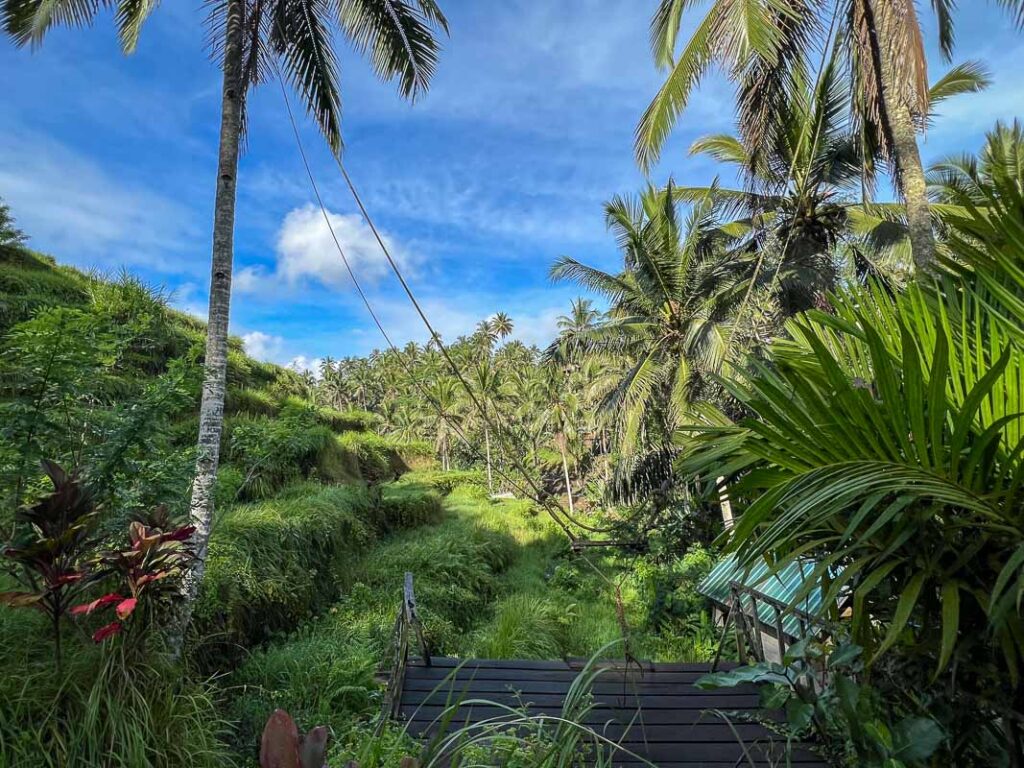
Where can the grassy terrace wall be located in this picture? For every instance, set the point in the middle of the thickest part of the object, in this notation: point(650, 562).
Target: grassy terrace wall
point(274, 563)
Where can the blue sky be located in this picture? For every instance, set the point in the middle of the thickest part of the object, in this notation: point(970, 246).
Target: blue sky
point(109, 163)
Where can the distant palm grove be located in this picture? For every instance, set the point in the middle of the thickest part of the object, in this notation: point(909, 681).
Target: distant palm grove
point(791, 370)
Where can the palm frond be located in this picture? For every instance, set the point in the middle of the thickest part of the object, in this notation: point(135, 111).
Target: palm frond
point(399, 36)
point(301, 36)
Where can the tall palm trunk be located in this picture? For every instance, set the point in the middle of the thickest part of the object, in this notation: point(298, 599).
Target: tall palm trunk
point(211, 413)
point(565, 469)
point(906, 154)
point(913, 186)
point(487, 444)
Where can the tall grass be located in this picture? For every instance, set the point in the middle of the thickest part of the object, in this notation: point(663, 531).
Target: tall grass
point(275, 563)
point(104, 710)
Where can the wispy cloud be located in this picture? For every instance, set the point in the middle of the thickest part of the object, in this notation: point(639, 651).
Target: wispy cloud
point(81, 211)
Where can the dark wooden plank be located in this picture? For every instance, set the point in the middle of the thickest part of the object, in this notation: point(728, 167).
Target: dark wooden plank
point(598, 716)
point(713, 700)
point(699, 752)
point(635, 733)
point(573, 663)
point(631, 687)
point(560, 675)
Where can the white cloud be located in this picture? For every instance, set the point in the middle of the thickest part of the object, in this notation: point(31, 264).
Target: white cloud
point(304, 364)
point(263, 346)
point(306, 252)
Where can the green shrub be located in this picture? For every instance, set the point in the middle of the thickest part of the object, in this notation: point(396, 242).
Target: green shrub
point(350, 420)
point(378, 461)
point(275, 452)
point(409, 506)
point(256, 402)
point(230, 480)
point(524, 627)
point(101, 711)
point(321, 675)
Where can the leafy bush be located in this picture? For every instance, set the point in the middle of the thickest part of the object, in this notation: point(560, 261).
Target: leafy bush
point(322, 674)
point(348, 421)
point(274, 452)
point(445, 482)
point(256, 402)
point(101, 708)
point(274, 563)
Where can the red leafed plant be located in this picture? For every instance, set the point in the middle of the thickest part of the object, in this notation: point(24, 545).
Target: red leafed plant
point(50, 557)
point(150, 568)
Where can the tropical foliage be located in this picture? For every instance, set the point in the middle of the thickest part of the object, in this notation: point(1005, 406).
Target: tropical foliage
point(846, 371)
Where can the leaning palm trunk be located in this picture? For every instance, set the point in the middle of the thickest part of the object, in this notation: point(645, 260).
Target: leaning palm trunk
point(211, 413)
point(912, 186)
point(899, 120)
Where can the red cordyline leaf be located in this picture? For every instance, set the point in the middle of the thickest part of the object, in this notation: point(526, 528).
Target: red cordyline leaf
point(69, 578)
point(179, 534)
point(100, 602)
point(125, 607)
point(140, 537)
point(149, 577)
point(107, 630)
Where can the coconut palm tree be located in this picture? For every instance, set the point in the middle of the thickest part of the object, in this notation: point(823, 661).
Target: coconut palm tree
point(253, 40)
point(501, 324)
point(444, 391)
point(670, 310)
point(766, 46)
point(486, 381)
point(803, 196)
point(568, 348)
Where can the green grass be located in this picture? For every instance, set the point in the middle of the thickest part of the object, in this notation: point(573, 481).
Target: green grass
point(275, 563)
point(101, 710)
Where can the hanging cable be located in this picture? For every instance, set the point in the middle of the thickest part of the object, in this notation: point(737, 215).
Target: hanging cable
point(369, 308)
point(481, 408)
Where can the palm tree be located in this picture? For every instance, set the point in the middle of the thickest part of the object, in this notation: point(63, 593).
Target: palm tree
point(444, 391)
point(568, 348)
point(670, 307)
point(561, 415)
point(765, 47)
point(486, 380)
point(253, 40)
point(803, 196)
point(501, 324)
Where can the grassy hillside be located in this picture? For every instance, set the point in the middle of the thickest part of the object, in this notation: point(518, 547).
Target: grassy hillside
point(318, 517)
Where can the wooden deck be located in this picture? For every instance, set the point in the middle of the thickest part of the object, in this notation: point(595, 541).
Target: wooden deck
point(651, 710)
